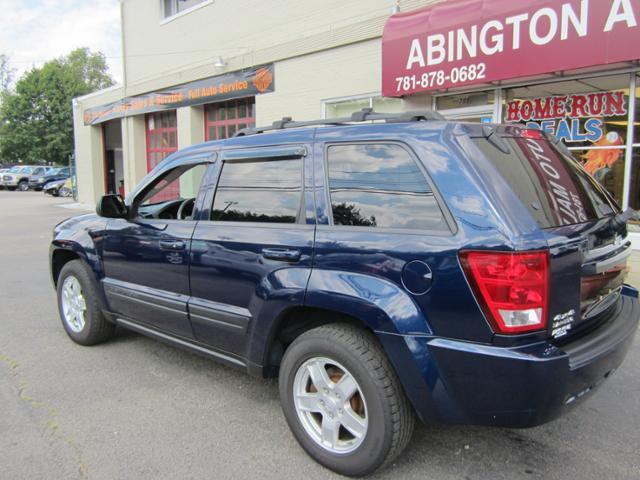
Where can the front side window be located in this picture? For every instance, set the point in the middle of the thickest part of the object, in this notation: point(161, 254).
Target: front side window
point(380, 185)
point(268, 191)
point(165, 196)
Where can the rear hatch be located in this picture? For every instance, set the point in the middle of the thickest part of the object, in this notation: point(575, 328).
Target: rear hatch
point(588, 247)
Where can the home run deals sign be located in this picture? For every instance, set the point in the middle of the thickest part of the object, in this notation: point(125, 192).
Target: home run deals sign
point(468, 42)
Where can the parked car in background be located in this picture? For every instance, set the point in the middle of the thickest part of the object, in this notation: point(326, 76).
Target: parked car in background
point(59, 188)
point(18, 177)
point(37, 182)
point(53, 188)
point(3, 170)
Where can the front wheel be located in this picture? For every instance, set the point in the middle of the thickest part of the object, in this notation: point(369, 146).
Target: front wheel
point(343, 401)
point(23, 186)
point(79, 307)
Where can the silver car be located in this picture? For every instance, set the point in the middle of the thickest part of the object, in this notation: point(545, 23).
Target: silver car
point(18, 177)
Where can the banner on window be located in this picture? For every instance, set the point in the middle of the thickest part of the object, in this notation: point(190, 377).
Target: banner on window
point(571, 118)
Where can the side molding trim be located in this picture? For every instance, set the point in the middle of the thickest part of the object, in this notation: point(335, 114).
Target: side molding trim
point(171, 340)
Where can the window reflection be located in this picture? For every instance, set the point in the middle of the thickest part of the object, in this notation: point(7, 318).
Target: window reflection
point(380, 186)
point(262, 191)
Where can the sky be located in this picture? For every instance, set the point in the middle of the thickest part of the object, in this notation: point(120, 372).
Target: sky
point(35, 31)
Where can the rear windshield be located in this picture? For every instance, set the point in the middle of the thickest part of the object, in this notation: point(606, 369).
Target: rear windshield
point(556, 190)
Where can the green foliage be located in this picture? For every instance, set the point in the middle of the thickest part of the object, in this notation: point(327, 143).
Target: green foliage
point(37, 119)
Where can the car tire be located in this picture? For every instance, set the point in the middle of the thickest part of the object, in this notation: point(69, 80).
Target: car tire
point(384, 419)
point(23, 186)
point(79, 306)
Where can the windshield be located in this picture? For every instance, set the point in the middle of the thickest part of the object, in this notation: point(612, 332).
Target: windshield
point(556, 190)
point(16, 170)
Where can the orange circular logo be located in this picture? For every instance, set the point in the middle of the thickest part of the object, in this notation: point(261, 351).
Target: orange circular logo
point(263, 79)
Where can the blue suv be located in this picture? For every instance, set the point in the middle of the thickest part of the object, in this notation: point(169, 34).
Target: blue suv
point(383, 266)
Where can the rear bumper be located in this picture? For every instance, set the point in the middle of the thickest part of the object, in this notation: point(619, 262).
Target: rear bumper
point(449, 381)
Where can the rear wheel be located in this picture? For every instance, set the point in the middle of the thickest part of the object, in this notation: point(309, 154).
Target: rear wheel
point(23, 186)
point(343, 401)
point(79, 307)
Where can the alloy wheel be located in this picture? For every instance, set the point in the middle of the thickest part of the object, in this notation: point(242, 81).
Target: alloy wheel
point(74, 306)
point(330, 405)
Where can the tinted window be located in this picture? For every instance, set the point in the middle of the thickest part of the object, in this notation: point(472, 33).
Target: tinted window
point(179, 184)
point(380, 186)
point(260, 191)
point(555, 189)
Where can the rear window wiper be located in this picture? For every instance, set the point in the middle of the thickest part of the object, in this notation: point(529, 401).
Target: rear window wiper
point(496, 140)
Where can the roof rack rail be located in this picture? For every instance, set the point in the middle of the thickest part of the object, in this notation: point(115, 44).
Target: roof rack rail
point(364, 115)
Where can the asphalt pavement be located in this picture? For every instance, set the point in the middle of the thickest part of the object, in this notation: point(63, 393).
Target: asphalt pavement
point(135, 408)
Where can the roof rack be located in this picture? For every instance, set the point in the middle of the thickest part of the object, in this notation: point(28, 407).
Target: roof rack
point(364, 115)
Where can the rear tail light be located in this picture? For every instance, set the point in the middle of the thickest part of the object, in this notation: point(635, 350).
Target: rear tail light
point(511, 287)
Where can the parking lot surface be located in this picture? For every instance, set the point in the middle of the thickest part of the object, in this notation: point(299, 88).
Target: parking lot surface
point(135, 408)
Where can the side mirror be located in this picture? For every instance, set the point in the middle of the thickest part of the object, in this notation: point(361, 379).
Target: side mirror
point(111, 206)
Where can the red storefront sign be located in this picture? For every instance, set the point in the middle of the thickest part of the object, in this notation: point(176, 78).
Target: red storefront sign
point(467, 42)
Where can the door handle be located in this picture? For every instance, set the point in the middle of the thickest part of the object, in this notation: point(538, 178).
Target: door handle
point(173, 245)
point(281, 254)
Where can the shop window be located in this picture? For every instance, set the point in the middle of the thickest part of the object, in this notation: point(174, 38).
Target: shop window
point(634, 186)
point(162, 141)
point(259, 191)
point(585, 113)
point(344, 108)
point(380, 186)
point(466, 100)
point(606, 166)
point(589, 115)
point(225, 119)
point(174, 7)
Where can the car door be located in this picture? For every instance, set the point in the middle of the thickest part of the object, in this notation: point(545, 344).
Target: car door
point(146, 257)
point(251, 257)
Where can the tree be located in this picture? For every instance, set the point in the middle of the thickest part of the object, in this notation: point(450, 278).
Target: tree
point(37, 118)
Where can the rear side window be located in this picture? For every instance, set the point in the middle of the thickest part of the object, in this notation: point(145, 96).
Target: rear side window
point(381, 186)
point(259, 191)
point(554, 188)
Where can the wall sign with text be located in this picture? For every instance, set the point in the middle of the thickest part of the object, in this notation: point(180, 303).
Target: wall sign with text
point(468, 42)
point(245, 83)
